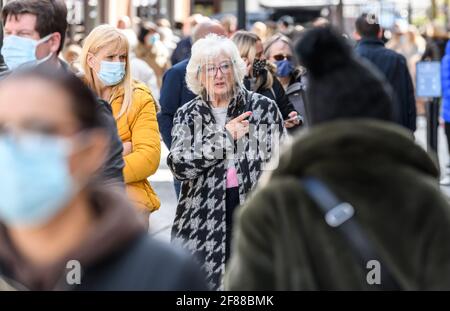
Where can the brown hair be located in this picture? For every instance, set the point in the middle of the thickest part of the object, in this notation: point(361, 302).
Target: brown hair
point(51, 15)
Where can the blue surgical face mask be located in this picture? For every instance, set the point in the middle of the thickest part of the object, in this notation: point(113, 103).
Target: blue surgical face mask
point(284, 68)
point(35, 181)
point(153, 38)
point(18, 51)
point(111, 73)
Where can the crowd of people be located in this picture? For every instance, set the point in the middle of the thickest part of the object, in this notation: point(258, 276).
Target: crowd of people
point(266, 129)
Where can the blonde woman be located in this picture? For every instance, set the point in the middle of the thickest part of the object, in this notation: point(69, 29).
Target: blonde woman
point(260, 75)
point(106, 64)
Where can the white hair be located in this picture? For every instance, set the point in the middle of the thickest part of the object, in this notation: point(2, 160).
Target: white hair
point(210, 47)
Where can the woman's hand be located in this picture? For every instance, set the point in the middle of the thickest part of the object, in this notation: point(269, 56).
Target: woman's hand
point(238, 127)
point(127, 148)
point(292, 120)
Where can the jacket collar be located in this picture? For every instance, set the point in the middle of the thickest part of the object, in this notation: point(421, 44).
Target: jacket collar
point(370, 41)
point(236, 102)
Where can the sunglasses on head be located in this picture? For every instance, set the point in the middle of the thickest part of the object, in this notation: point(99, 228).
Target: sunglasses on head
point(280, 57)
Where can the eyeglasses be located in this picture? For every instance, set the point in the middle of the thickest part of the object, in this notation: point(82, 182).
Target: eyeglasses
point(211, 70)
point(280, 57)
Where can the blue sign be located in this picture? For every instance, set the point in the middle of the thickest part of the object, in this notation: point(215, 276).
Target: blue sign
point(428, 78)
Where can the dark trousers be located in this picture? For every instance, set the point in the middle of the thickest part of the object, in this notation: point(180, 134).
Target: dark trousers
point(231, 202)
point(447, 133)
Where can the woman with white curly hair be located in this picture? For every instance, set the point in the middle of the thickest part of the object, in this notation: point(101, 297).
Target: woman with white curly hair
point(222, 140)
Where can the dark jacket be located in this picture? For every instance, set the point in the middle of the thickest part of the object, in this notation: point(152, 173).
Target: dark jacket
point(296, 92)
point(182, 51)
point(395, 69)
point(199, 223)
point(117, 255)
point(112, 170)
point(283, 242)
point(174, 94)
point(275, 93)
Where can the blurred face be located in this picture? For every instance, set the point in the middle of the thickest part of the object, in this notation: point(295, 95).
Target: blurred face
point(26, 108)
point(25, 26)
point(152, 37)
point(280, 51)
point(216, 76)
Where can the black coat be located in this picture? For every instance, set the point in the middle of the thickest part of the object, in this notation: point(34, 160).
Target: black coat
point(395, 69)
point(146, 265)
point(275, 93)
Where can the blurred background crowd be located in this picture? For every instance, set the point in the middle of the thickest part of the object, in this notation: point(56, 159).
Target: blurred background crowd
point(160, 31)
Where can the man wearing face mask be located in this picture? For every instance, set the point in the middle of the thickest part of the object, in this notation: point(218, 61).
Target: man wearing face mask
point(279, 51)
point(34, 32)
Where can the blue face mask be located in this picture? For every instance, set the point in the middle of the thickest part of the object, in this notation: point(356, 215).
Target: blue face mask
point(36, 183)
point(153, 38)
point(284, 68)
point(111, 73)
point(18, 51)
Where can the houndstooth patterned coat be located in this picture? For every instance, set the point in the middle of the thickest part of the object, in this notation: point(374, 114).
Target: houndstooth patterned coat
point(196, 158)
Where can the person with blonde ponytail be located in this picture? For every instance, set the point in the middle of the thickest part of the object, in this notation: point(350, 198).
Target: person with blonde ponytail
point(106, 66)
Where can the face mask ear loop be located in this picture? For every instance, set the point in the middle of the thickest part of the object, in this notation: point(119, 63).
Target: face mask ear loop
point(43, 40)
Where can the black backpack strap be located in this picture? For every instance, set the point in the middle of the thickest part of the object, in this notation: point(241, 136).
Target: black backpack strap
point(339, 216)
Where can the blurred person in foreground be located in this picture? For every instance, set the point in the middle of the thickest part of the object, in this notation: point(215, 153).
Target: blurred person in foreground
point(174, 91)
point(279, 50)
point(106, 66)
point(282, 240)
point(64, 216)
point(260, 76)
point(222, 140)
point(392, 65)
point(34, 32)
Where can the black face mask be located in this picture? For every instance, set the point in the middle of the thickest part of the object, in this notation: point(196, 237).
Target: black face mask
point(259, 65)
